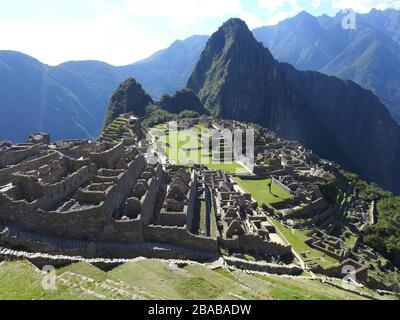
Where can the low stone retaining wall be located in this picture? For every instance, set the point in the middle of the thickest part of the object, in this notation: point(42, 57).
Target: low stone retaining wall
point(42, 259)
point(264, 267)
point(110, 250)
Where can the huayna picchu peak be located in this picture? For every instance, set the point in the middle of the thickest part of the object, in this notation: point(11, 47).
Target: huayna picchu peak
point(237, 78)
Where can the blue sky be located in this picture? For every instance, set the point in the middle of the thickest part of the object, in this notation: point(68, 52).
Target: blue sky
point(124, 31)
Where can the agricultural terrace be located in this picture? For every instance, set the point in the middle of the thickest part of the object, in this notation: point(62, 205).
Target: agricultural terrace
point(116, 131)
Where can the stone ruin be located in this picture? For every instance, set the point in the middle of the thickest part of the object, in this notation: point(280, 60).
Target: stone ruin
point(103, 199)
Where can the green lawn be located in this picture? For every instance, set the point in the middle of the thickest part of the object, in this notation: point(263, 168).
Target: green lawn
point(20, 280)
point(189, 139)
point(297, 238)
point(259, 189)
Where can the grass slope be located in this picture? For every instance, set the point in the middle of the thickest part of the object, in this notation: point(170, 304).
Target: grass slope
point(153, 279)
point(20, 280)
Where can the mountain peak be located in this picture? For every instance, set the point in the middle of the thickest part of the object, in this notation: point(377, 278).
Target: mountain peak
point(232, 45)
point(234, 23)
point(129, 97)
point(234, 27)
point(233, 32)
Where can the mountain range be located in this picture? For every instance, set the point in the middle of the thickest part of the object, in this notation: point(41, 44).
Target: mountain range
point(368, 55)
point(235, 76)
point(238, 78)
point(70, 100)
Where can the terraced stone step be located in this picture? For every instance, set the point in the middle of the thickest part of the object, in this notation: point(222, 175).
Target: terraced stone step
point(108, 289)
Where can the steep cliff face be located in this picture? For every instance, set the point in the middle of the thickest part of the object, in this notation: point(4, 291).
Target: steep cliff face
point(182, 100)
point(129, 97)
point(238, 78)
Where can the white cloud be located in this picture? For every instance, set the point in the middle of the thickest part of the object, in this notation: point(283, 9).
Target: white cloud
point(100, 39)
point(316, 4)
point(184, 12)
point(272, 5)
point(364, 6)
point(281, 9)
point(251, 19)
point(101, 4)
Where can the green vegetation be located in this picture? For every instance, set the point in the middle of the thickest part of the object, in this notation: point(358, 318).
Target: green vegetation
point(154, 116)
point(189, 148)
point(263, 191)
point(182, 100)
point(86, 270)
point(271, 164)
point(129, 97)
point(369, 192)
point(191, 282)
point(187, 114)
point(115, 131)
point(198, 288)
point(21, 280)
point(295, 289)
point(384, 237)
point(297, 240)
point(153, 279)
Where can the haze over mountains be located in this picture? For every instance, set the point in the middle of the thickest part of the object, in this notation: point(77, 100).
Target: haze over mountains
point(70, 100)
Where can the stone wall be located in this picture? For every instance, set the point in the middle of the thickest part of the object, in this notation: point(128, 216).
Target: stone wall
point(108, 159)
point(149, 200)
point(53, 194)
point(337, 271)
point(18, 153)
point(281, 185)
point(264, 267)
point(192, 202)
point(120, 192)
point(179, 236)
point(87, 223)
point(310, 209)
point(6, 173)
point(252, 243)
point(173, 218)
